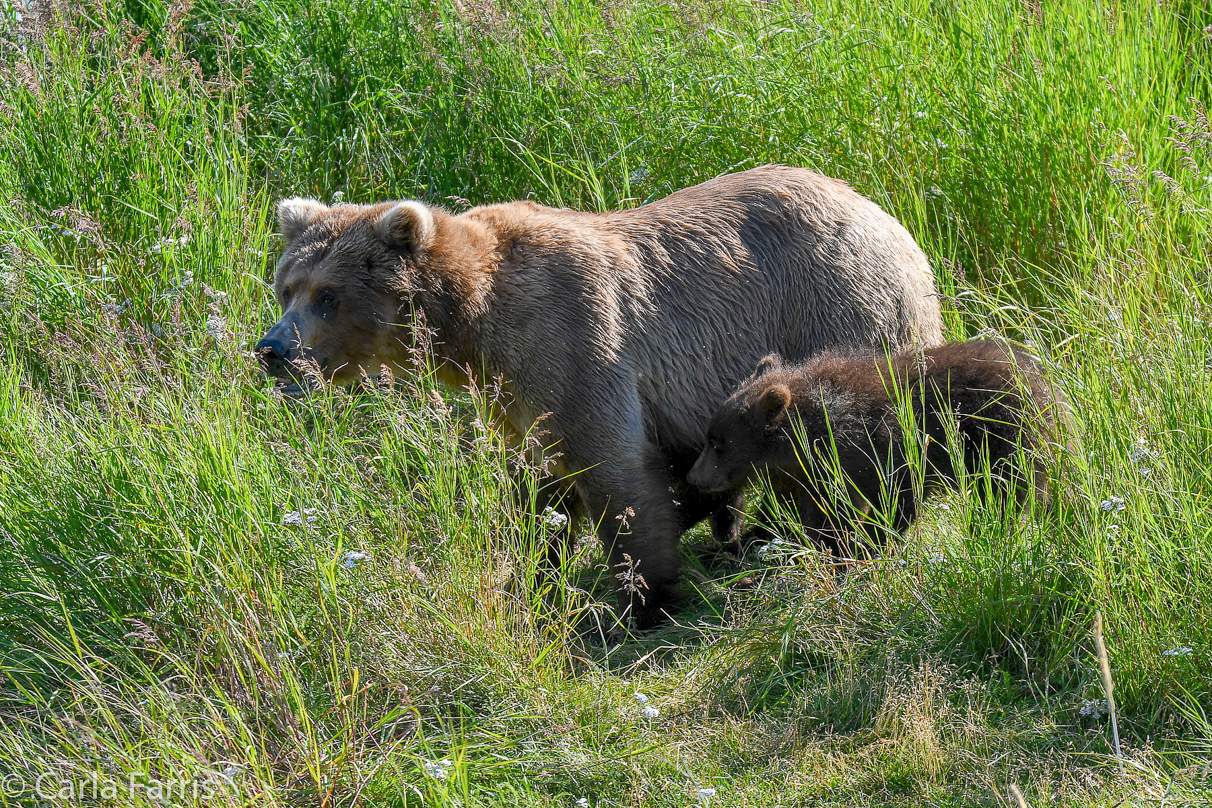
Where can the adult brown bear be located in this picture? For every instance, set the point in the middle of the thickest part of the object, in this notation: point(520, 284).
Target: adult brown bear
point(627, 328)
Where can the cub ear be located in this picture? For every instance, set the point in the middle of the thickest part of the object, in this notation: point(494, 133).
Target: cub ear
point(296, 214)
point(406, 226)
point(774, 403)
point(766, 363)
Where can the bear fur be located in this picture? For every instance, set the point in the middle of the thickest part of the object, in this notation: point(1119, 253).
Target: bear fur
point(828, 434)
point(626, 329)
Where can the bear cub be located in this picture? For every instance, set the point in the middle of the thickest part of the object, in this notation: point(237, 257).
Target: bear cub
point(786, 421)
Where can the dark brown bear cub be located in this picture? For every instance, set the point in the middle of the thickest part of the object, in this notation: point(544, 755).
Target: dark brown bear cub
point(786, 421)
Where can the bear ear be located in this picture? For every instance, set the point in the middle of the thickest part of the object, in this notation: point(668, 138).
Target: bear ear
point(406, 226)
point(766, 363)
point(296, 214)
point(774, 403)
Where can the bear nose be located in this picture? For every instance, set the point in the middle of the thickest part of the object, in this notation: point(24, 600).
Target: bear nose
point(271, 347)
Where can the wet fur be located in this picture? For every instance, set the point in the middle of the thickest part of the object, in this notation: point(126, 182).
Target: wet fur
point(849, 401)
point(630, 328)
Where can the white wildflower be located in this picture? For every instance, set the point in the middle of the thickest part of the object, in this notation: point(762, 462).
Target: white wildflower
point(651, 712)
point(942, 144)
point(932, 192)
point(1095, 708)
point(554, 519)
point(1181, 650)
point(706, 793)
point(1143, 456)
point(641, 698)
point(216, 326)
point(583, 802)
point(353, 559)
point(168, 243)
point(439, 769)
point(338, 198)
point(296, 518)
point(638, 176)
point(1113, 504)
point(1140, 451)
point(117, 308)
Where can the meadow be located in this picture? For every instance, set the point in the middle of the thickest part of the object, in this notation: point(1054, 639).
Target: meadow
point(212, 595)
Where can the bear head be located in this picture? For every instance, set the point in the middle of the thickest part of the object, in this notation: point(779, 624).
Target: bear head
point(345, 284)
point(746, 432)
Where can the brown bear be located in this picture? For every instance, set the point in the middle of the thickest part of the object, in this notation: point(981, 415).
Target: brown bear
point(626, 329)
point(828, 434)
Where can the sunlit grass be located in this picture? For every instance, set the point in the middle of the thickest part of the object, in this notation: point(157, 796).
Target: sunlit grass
point(337, 601)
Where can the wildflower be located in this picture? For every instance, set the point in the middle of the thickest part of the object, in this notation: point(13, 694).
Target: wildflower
point(117, 308)
point(942, 144)
point(167, 243)
point(1181, 650)
point(1139, 451)
point(629, 579)
point(651, 712)
point(769, 551)
point(932, 192)
point(296, 518)
point(583, 802)
point(438, 769)
point(638, 176)
point(641, 698)
point(706, 793)
point(353, 559)
point(553, 518)
point(1142, 456)
point(1095, 708)
point(229, 773)
point(338, 198)
point(216, 326)
point(921, 114)
point(1113, 505)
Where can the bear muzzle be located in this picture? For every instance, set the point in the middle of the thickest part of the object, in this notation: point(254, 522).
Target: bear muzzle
point(707, 477)
point(278, 352)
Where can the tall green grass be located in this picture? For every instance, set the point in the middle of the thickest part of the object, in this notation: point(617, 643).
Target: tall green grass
point(331, 601)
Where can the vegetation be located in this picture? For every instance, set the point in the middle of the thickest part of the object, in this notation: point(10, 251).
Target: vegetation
point(211, 595)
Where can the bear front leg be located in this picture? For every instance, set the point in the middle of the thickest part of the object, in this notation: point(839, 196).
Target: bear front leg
point(639, 524)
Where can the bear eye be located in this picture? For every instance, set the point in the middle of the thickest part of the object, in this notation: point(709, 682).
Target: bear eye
point(326, 302)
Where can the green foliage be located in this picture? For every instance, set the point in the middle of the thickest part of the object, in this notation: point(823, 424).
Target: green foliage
point(282, 602)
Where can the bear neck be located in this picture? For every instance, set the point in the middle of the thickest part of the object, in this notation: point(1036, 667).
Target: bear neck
point(451, 287)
